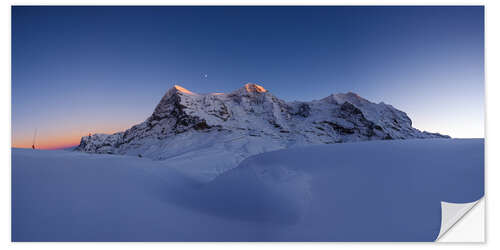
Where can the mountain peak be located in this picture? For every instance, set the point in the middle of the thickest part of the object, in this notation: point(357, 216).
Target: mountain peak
point(252, 87)
point(182, 90)
point(352, 94)
point(345, 97)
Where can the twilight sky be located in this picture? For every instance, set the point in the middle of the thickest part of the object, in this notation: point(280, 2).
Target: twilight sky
point(77, 70)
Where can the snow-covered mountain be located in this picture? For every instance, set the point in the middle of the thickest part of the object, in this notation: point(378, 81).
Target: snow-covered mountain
point(223, 129)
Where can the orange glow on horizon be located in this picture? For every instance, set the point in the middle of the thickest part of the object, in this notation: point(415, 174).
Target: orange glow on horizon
point(57, 143)
point(52, 140)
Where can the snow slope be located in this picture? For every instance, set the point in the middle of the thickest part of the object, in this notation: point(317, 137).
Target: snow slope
point(223, 129)
point(366, 191)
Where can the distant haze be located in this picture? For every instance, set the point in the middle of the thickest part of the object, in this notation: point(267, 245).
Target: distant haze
point(80, 70)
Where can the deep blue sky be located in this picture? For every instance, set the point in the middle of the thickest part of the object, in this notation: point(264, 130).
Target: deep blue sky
point(100, 69)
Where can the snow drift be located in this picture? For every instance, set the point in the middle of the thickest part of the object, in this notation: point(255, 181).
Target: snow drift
point(366, 191)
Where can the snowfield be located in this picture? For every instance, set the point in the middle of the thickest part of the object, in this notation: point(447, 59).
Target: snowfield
point(363, 191)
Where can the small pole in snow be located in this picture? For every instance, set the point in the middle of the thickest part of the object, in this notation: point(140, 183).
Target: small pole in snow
point(34, 138)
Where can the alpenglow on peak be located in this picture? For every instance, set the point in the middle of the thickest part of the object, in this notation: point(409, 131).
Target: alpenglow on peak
point(183, 90)
point(252, 87)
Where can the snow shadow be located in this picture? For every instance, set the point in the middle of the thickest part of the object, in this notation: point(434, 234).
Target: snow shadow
point(368, 191)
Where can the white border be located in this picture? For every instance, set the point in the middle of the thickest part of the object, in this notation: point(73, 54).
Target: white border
point(492, 10)
point(245, 2)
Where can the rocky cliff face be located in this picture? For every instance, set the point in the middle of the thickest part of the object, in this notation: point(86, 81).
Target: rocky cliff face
point(252, 120)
